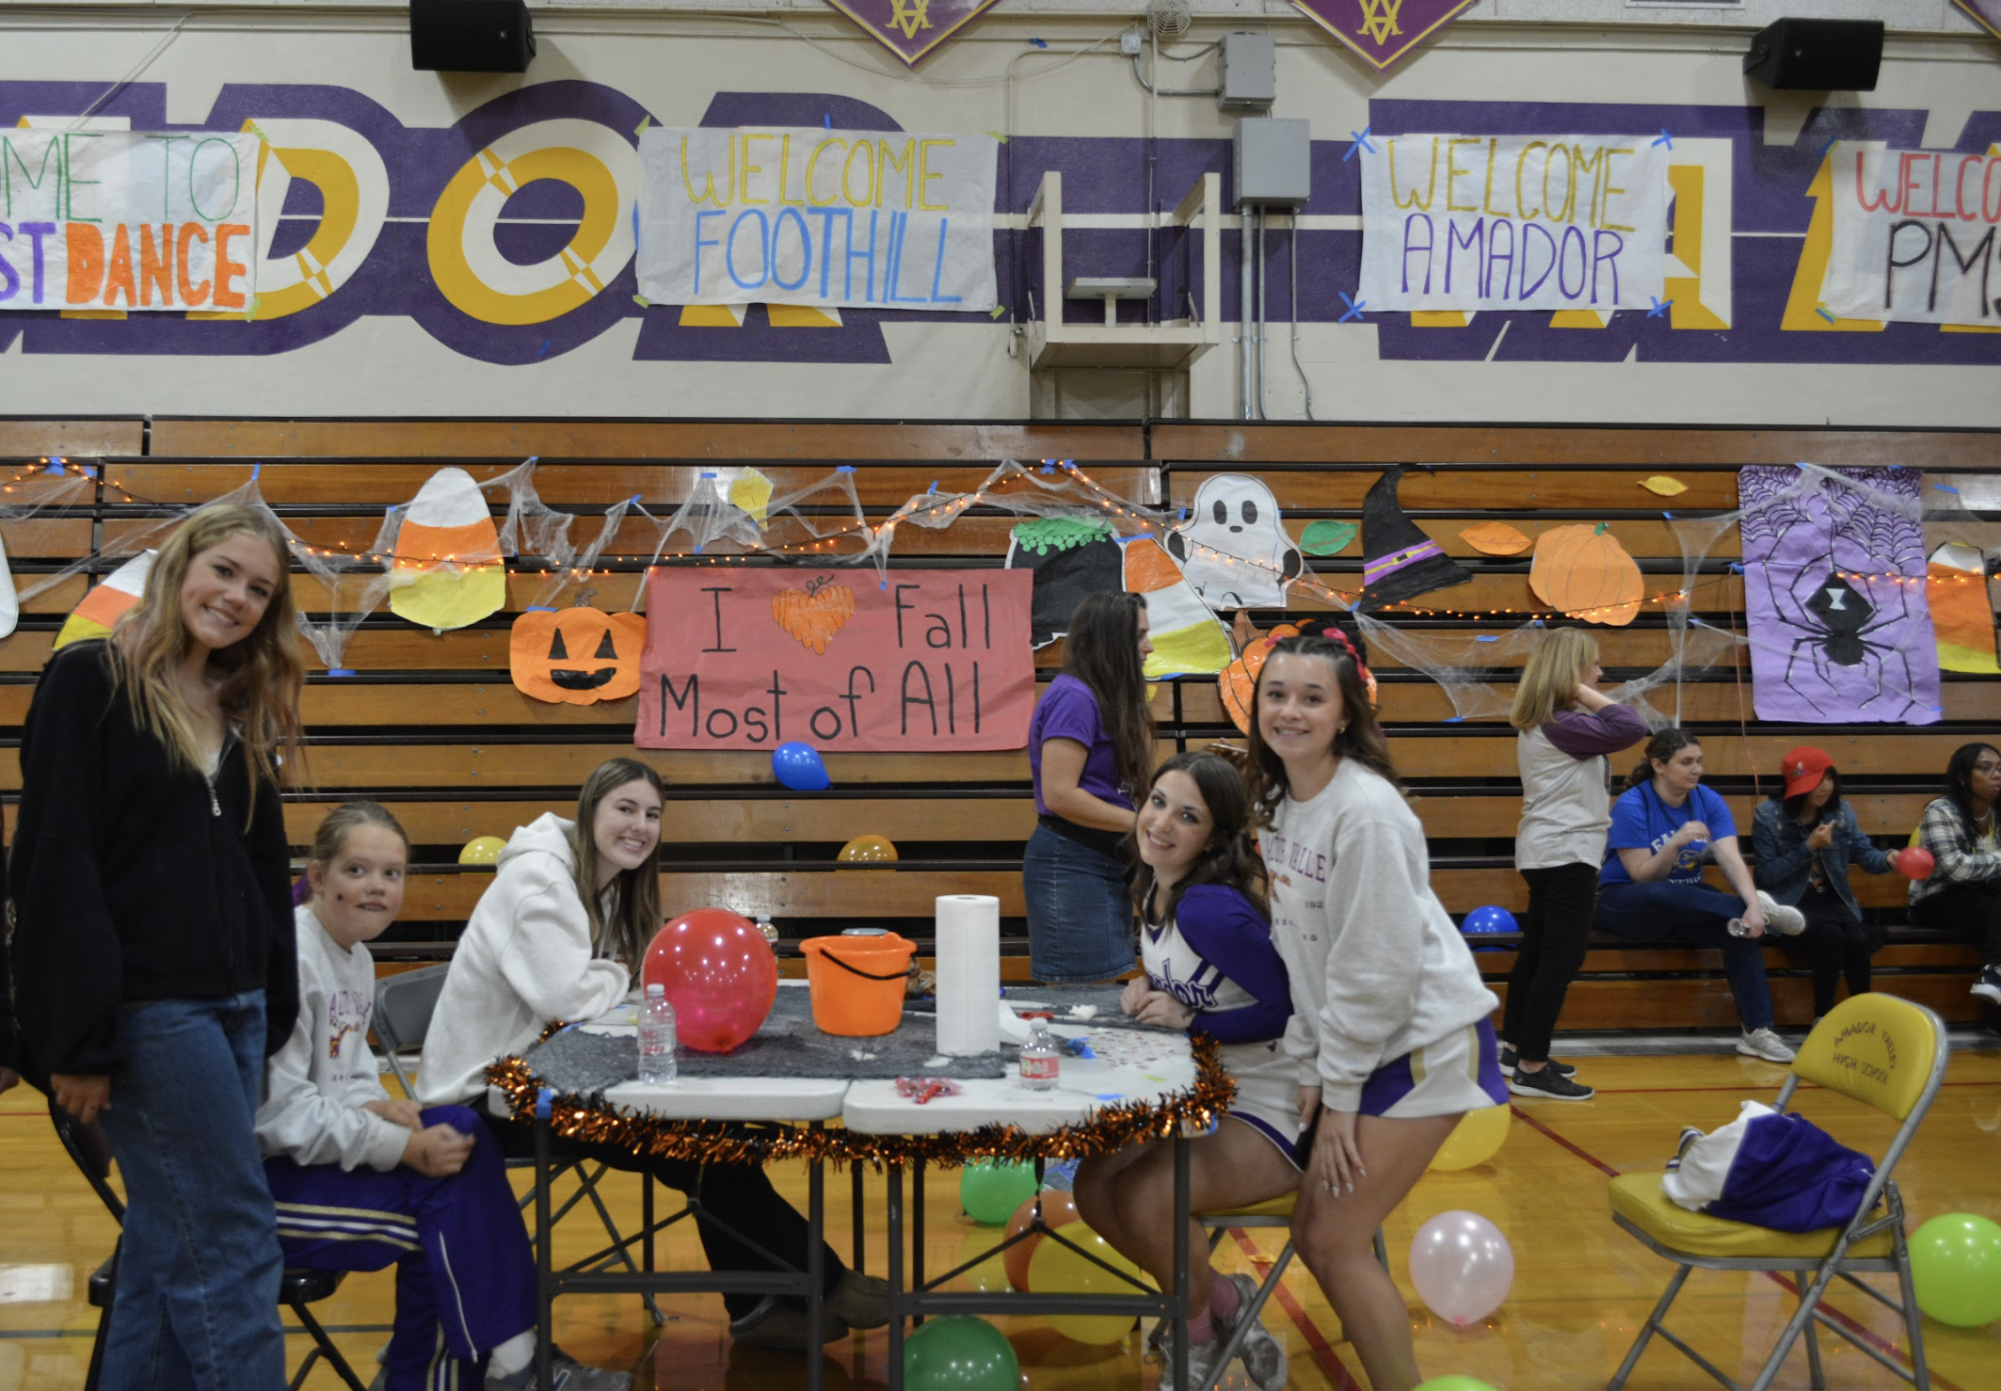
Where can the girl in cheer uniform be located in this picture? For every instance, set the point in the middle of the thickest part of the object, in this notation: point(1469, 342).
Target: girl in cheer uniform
point(1390, 1029)
point(1210, 967)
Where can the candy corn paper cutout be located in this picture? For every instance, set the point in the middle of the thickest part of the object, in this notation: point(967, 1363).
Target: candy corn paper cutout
point(103, 606)
point(447, 571)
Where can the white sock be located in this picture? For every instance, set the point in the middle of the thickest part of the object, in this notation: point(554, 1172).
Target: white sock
point(514, 1354)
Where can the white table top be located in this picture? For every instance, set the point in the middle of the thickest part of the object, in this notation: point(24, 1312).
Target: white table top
point(1131, 1065)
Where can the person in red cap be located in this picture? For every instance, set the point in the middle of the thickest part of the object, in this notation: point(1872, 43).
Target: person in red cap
point(1806, 838)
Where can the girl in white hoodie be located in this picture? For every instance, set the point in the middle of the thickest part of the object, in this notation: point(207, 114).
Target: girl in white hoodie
point(1389, 1021)
point(560, 936)
point(363, 1181)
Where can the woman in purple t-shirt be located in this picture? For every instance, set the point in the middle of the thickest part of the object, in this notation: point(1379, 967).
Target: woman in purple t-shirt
point(1090, 746)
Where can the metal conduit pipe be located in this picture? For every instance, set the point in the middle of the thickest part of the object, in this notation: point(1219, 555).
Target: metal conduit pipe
point(1244, 216)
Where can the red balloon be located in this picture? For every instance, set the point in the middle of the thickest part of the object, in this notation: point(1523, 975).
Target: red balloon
point(721, 977)
point(1915, 863)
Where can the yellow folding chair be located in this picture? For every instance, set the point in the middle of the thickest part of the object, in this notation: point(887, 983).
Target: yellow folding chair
point(1273, 1212)
point(1880, 1050)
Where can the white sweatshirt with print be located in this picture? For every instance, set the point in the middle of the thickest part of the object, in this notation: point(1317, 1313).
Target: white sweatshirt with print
point(316, 1085)
point(1376, 965)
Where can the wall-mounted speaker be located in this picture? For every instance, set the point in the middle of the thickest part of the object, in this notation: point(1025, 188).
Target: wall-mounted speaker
point(471, 35)
point(1821, 55)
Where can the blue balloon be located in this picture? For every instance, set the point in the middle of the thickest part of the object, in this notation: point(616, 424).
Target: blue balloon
point(798, 766)
point(1489, 919)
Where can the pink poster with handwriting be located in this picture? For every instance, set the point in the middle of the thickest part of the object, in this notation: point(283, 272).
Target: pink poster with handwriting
point(751, 659)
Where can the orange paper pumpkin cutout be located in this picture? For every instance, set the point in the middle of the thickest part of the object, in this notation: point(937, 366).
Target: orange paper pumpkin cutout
point(814, 615)
point(1583, 572)
point(576, 656)
point(1238, 685)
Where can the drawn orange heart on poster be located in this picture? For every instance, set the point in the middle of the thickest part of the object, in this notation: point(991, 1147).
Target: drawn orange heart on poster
point(815, 615)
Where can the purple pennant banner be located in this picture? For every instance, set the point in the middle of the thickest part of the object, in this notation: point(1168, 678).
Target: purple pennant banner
point(1834, 590)
point(1986, 13)
point(911, 28)
point(1382, 31)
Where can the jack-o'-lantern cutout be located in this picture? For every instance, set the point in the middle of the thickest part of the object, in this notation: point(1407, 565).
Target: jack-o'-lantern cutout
point(576, 656)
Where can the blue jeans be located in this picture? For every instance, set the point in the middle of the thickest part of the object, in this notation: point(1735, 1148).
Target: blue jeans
point(1697, 914)
point(196, 1303)
point(1080, 912)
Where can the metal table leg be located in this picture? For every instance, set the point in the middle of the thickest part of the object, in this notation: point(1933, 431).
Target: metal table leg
point(895, 1224)
point(545, 1294)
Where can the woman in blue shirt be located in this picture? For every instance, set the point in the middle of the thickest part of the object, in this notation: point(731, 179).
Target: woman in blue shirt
point(1806, 838)
point(1663, 826)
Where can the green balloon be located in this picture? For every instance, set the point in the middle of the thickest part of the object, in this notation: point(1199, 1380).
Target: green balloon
point(1455, 1382)
point(1956, 1269)
point(959, 1354)
point(991, 1191)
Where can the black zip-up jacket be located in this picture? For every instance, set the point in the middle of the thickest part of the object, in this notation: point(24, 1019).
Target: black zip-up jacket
point(133, 880)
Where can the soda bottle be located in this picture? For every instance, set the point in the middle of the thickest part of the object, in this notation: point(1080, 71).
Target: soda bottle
point(1041, 1059)
point(656, 1037)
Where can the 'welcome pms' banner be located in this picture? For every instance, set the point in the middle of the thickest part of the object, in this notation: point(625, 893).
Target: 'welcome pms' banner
point(127, 220)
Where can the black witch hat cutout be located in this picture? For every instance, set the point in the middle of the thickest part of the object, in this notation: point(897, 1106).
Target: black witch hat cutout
point(1399, 562)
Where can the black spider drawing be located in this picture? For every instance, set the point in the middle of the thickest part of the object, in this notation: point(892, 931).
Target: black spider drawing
point(1842, 617)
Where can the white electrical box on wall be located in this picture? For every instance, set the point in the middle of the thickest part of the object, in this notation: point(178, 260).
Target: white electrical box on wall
point(1272, 164)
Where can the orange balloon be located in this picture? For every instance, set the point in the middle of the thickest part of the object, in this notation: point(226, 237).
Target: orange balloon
point(1058, 1209)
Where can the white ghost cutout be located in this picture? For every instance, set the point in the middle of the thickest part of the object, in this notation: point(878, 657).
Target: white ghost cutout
point(1233, 547)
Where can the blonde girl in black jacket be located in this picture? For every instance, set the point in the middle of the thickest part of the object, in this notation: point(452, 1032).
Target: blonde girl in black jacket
point(153, 948)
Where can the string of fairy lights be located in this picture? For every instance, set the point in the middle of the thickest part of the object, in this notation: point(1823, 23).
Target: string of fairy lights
point(942, 511)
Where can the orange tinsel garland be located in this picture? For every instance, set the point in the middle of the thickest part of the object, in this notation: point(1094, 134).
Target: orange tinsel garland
point(1112, 1128)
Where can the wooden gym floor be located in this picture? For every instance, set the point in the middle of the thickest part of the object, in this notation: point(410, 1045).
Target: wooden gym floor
point(1580, 1287)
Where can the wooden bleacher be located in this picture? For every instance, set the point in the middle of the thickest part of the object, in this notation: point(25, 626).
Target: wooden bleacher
point(432, 726)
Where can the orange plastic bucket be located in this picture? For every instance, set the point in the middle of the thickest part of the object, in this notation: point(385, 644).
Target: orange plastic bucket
point(857, 982)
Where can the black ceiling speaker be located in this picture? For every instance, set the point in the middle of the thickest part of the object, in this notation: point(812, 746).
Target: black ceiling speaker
point(1821, 55)
point(471, 35)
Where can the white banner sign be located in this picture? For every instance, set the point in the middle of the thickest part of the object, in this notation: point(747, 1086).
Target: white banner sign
point(1914, 236)
point(827, 218)
point(128, 220)
point(1510, 222)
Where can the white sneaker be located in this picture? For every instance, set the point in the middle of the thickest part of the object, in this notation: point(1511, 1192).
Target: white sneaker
point(1202, 1369)
point(1763, 1043)
point(1263, 1355)
point(1783, 919)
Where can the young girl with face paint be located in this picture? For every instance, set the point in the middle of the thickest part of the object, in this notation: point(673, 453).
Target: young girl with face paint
point(560, 936)
point(153, 940)
point(1206, 948)
point(1390, 1027)
point(363, 1181)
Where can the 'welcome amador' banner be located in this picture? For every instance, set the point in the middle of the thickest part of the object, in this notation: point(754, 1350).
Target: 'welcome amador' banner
point(1509, 222)
point(1914, 236)
point(127, 220)
point(814, 217)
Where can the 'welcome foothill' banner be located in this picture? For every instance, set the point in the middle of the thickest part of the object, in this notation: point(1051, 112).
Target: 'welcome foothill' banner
point(819, 218)
point(127, 220)
point(1508, 222)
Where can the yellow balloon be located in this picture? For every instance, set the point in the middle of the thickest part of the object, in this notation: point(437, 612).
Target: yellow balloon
point(867, 850)
point(1476, 1139)
point(1056, 1269)
point(482, 850)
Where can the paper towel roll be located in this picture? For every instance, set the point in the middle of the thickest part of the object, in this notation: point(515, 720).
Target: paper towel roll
point(968, 938)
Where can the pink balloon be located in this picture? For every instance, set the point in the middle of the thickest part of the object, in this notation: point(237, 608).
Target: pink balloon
point(721, 977)
point(1915, 863)
point(1462, 1266)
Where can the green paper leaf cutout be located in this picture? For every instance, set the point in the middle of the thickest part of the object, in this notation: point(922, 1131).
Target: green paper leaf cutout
point(1327, 538)
point(1045, 534)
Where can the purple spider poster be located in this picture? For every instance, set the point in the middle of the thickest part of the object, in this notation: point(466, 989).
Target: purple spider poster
point(1834, 589)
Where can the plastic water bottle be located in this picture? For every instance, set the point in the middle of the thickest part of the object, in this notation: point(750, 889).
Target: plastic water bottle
point(764, 925)
point(656, 1037)
point(1041, 1059)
